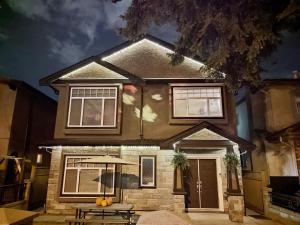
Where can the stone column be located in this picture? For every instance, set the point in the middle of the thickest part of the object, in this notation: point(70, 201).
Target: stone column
point(179, 205)
point(236, 208)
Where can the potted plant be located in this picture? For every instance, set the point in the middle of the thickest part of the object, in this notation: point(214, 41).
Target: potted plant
point(232, 162)
point(180, 163)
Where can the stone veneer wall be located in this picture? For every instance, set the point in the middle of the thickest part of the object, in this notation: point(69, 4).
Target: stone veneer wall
point(143, 199)
point(158, 198)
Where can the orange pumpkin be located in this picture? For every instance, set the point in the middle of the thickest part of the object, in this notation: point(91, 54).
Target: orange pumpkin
point(99, 200)
point(109, 200)
point(103, 203)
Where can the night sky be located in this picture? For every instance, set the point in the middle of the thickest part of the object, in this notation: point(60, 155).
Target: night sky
point(40, 37)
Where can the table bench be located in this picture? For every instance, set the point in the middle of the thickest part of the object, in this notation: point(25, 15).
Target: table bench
point(116, 209)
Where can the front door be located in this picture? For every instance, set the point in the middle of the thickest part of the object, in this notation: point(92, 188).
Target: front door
point(201, 184)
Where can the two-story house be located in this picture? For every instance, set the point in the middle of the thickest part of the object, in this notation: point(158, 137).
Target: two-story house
point(131, 102)
point(270, 118)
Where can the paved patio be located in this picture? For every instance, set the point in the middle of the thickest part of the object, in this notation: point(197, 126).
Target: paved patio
point(199, 218)
point(222, 219)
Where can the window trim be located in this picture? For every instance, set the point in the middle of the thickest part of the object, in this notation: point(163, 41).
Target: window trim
point(141, 185)
point(198, 86)
point(82, 107)
point(83, 196)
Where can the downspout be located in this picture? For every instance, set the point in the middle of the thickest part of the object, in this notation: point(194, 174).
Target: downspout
point(141, 113)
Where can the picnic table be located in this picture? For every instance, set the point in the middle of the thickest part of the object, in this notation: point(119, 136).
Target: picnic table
point(119, 209)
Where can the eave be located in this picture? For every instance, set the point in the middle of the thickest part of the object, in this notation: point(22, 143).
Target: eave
point(54, 78)
point(246, 145)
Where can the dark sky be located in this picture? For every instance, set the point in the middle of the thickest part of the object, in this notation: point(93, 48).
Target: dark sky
point(40, 37)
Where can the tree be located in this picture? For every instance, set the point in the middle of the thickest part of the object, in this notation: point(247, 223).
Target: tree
point(232, 36)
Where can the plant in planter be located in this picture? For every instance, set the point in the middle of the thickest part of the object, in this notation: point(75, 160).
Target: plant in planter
point(180, 163)
point(232, 162)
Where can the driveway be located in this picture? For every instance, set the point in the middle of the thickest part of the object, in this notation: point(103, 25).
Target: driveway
point(222, 219)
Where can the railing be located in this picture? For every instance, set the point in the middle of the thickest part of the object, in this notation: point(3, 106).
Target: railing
point(290, 202)
point(12, 193)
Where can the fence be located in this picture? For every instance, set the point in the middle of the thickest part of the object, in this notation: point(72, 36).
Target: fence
point(12, 193)
point(285, 201)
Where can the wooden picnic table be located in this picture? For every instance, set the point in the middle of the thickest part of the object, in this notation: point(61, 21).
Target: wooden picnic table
point(121, 209)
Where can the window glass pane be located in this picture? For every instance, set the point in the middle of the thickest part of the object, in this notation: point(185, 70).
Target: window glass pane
point(88, 180)
point(94, 92)
point(108, 181)
point(81, 92)
point(180, 107)
point(92, 112)
point(70, 180)
point(75, 112)
point(147, 172)
point(215, 107)
point(194, 107)
point(112, 92)
point(197, 107)
point(109, 112)
point(106, 93)
point(74, 92)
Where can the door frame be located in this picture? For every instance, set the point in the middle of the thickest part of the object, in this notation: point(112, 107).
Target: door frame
point(219, 180)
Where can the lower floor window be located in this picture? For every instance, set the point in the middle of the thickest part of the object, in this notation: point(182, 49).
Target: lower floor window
point(147, 171)
point(87, 178)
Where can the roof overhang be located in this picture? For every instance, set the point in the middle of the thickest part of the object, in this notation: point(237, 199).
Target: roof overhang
point(226, 137)
point(60, 76)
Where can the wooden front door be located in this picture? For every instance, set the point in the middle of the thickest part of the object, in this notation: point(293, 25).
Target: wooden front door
point(201, 184)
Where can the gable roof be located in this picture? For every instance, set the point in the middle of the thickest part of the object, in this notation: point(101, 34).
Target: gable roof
point(106, 67)
point(206, 125)
point(148, 59)
point(140, 60)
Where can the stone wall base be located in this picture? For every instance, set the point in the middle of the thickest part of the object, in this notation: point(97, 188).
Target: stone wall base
point(179, 205)
point(236, 208)
point(277, 213)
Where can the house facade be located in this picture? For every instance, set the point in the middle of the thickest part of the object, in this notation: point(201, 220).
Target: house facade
point(27, 118)
point(270, 118)
point(132, 103)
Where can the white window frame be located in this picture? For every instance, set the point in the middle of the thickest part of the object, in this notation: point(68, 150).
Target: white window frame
point(153, 171)
point(79, 168)
point(82, 105)
point(187, 98)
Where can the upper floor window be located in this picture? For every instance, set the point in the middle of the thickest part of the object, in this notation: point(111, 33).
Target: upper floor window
point(197, 102)
point(93, 107)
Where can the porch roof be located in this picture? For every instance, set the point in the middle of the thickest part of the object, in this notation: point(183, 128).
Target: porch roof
point(246, 145)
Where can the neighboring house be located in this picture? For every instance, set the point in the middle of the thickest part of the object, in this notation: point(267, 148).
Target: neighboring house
point(99, 113)
point(27, 118)
point(270, 117)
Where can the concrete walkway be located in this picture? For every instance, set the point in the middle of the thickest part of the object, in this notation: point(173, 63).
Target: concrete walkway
point(222, 219)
